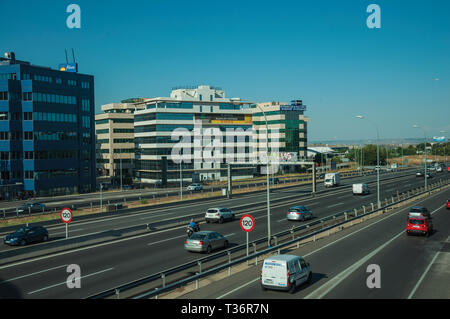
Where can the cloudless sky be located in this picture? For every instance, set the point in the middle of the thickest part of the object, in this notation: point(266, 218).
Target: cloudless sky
point(319, 51)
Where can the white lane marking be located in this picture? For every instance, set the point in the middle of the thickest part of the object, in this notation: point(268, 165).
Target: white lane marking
point(423, 276)
point(32, 274)
point(63, 283)
point(161, 241)
point(229, 235)
point(335, 205)
point(329, 244)
point(259, 217)
point(323, 290)
point(320, 292)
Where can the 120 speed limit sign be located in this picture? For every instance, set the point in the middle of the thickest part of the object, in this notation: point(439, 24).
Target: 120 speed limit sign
point(66, 215)
point(247, 223)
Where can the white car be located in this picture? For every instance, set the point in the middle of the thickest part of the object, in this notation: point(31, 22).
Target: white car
point(195, 187)
point(285, 272)
point(218, 215)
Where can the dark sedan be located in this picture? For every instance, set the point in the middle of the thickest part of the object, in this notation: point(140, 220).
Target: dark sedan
point(32, 207)
point(26, 235)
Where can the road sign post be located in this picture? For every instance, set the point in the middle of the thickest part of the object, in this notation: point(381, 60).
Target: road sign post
point(247, 225)
point(66, 217)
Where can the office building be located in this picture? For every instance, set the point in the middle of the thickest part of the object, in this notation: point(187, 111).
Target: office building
point(46, 129)
point(287, 127)
point(198, 123)
point(114, 129)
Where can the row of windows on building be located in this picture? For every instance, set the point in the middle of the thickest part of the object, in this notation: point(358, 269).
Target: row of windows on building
point(8, 76)
point(40, 116)
point(54, 98)
point(44, 136)
point(38, 135)
point(116, 140)
point(49, 79)
point(44, 174)
point(116, 130)
point(190, 105)
point(192, 150)
point(117, 150)
point(38, 155)
point(164, 116)
point(187, 139)
point(106, 121)
point(171, 128)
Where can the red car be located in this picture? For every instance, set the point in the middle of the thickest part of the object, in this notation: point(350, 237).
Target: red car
point(419, 225)
point(448, 204)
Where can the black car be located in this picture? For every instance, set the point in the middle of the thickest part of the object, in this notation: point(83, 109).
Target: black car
point(26, 235)
point(322, 175)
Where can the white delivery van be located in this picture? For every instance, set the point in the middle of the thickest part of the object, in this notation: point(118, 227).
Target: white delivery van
point(360, 189)
point(285, 272)
point(332, 179)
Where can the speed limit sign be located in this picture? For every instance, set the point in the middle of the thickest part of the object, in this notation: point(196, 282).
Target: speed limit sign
point(247, 223)
point(66, 215)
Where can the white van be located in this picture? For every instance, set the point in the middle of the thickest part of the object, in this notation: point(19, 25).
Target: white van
point(285, 272)
point(360, 189)
point(332, 179)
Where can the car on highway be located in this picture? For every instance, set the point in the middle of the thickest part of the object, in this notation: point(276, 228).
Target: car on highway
point(285, 272)
point(322, 176)
point(360, 189)
point(419, 174)
point(219, 215)
point(299, 213)
point(32, 207)
point(26, 235)
point(419, 225)
point(205, 241)
point(447, 205)
point(419, 211)
point(439, 169)
point(195, 187)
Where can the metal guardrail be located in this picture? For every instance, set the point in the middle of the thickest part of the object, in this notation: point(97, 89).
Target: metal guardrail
point(11, 214)
point(349, 215)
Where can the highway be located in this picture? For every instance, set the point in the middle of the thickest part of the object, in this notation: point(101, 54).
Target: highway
point(107, 265)
point(151, 215)
point(410, 266)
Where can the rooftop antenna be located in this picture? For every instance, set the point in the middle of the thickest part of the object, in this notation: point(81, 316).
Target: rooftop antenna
point(67, 61)
point(73, 56)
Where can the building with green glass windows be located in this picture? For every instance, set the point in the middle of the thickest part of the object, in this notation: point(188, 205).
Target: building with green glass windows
point(287, 127)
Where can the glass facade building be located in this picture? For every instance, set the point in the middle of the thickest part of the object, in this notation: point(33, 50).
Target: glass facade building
point(46, 130)
point(197, 126)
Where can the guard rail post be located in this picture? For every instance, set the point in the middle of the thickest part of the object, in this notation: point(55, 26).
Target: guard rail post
point(229, 262)
point(118, 293)
point(364, 209)
point(200, 266)
point(372, 207)
point(356, 212)
point(163, 278)
point(254, 250)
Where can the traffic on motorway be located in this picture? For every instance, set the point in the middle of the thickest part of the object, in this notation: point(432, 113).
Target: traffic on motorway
point(126, 254)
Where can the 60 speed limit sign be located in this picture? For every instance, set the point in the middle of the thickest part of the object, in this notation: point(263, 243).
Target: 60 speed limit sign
point(66, 215)
point(247, 223)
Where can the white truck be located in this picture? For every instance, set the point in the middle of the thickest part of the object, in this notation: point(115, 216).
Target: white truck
point(360, 189)
point(332, 179)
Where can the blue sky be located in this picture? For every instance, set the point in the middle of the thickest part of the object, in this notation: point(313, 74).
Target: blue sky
point(319, 51)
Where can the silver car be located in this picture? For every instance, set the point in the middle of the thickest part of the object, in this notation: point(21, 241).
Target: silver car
point(195, 187)
point(299, 213)
point(205, 241)
point(219, 215)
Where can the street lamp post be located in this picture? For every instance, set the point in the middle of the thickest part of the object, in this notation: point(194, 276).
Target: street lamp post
point(101, 198)
point(378, 159)
point(424, 154)
point(267, 177)
point(181, 182)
